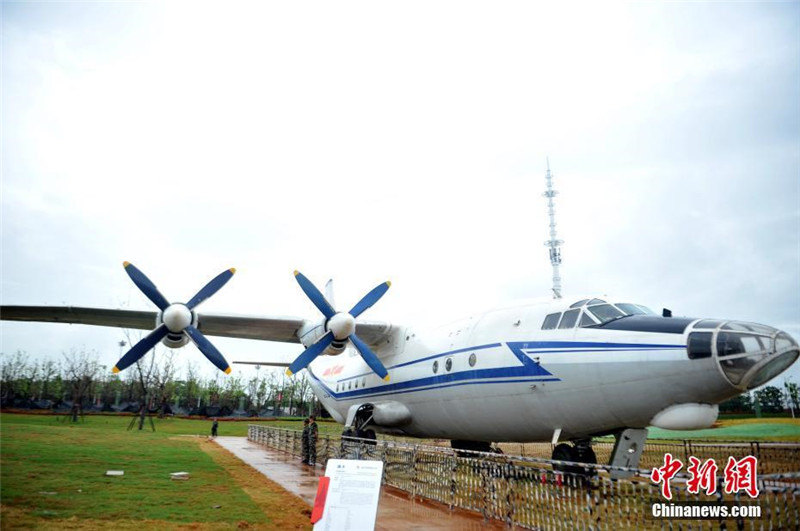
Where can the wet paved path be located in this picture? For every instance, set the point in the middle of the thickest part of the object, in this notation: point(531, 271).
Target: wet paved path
point(395, 510)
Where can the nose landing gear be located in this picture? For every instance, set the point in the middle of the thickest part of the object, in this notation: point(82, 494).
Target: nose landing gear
point(359, 429)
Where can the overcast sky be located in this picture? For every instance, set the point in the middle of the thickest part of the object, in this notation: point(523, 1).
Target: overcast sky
point(369, 141)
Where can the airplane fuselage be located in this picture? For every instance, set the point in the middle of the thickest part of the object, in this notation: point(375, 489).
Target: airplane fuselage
point(499, 376)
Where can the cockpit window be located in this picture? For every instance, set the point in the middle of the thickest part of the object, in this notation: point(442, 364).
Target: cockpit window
point(629, 309)
point(730, 344)
point(579, 303)
point(551, 321)
point(586, 320)
point(605, 312)
point(700, 345)
point(569, 319)
point(596, 301)
point(741, 327)
point(708, 323)
point(784, 342)
point(646, 310)
point(769, 371)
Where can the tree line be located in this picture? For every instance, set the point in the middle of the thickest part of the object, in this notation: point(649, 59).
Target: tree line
point(769, 399)
point(77, 383)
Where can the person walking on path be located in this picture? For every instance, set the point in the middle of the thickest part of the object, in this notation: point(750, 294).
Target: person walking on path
point(312, 440)
point(304, 441)
point(214, 427)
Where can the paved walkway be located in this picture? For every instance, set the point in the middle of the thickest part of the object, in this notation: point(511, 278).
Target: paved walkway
point(395, 510)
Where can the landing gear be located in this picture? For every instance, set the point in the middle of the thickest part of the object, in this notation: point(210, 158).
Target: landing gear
point(368, 434)
point(359, 429)
point(580, 452)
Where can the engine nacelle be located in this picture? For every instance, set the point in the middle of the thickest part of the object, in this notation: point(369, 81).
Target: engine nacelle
point(173, 340)
point(310, 333)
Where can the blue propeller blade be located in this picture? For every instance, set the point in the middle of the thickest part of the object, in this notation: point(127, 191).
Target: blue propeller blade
point(370, 357)
point(141, 348)
point(208, 350)
point(309, 354)
point(369, 299)
point(316, 297)
point(146, 285)
point(211, 288)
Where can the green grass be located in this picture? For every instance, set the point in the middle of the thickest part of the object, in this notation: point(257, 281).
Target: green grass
point(55, 469)
point(751, 431)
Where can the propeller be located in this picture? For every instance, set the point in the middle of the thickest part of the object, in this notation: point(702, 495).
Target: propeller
point(176, 319)
point(340, 326)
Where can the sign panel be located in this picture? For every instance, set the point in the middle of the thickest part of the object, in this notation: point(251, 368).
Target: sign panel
point(351, 503)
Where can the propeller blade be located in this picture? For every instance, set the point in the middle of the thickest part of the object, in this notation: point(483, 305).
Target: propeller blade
point(146, 285)
point(370, 298)
point(141, 348)
point(370, 357)
point(208, 349)
point(316, 297)
point(309, 354)
point(211, 288)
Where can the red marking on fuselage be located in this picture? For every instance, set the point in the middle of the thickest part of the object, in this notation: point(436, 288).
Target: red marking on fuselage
point(333, 371)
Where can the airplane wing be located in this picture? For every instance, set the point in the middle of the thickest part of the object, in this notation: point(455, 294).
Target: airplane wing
point(281, 329)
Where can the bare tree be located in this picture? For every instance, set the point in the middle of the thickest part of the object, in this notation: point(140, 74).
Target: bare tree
point(143, 376)
point(258, 389)
point(303, 394)
point(164, 382)
point(145, 372)
point(193, 388)
point(48, 372)
point(80, 372)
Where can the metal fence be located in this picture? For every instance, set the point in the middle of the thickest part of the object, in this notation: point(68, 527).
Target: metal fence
point(527, 492)
point(773, 457)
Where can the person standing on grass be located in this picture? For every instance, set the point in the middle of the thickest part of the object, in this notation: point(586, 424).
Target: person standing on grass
point(214, 427)
point(304, 441)
point(312, 440)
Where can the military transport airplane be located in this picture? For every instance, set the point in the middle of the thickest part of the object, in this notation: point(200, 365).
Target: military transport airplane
point(548, 370)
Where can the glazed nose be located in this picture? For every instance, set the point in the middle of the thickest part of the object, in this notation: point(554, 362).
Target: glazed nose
point(749, 354)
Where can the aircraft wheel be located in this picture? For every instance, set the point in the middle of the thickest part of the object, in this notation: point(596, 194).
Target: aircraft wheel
point(585, 454)
point(565, 452)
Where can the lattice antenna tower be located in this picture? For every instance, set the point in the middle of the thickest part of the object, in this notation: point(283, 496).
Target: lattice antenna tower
point(554, 244)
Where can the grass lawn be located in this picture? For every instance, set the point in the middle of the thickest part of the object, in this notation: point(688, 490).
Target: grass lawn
point(52, 475)
point(751, 429)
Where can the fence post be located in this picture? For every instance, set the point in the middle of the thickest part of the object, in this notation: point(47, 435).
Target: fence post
point(484, 488)
point(511, 505)
point(414, 479)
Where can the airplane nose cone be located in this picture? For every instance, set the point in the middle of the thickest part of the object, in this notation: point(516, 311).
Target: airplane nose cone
point(785, 352)
point(749, 354)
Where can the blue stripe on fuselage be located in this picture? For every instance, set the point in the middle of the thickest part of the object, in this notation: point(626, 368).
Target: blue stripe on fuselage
point(530, 370)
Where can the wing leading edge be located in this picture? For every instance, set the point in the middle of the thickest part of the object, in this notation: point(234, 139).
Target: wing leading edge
point(280, 329)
